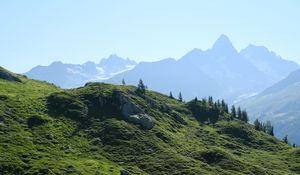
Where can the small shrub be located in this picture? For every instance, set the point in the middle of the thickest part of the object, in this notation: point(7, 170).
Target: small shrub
point(3, 97)
point(35, 120)
point(213, 156)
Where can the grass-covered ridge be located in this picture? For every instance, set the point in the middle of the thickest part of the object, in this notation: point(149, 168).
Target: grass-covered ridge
point(48, 130)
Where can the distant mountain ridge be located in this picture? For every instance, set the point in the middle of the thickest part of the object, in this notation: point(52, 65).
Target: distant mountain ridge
point(221, 71)
point(280, 104)
point(75, 75)
point(268, 62)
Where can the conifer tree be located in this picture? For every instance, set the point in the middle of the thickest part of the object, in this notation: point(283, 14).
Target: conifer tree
point(215, 106)
point(269, 127)
point(239, 113)
point(196, 99)
point(233, 112)
point(141, 88)
point(245, 116)
point(171, 95)
point(204, 101)
point(210, 101)
point(224, 106)
point(223, 103)
point(218, 104)
point(272, 131)
point(123, 82)
point(285, 139)
point(257, 125)
point(180, 97)
point(263, 127)
point(226, 109)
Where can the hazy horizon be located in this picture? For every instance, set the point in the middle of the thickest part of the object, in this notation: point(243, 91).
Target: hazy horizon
point(38, 33)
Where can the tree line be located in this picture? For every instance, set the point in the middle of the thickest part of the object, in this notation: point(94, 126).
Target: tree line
point(265, 127)
point(206, 109)
point(211, 111)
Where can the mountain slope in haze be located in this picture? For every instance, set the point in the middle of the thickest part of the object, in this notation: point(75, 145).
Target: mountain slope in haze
point(221, 71)
point(268, 62)
point(48, 130)
point(75, 75)
point(280, 104)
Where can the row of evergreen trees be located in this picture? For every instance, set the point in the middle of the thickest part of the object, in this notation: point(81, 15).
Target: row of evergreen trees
point(207, 109)
point(239, 114)
point(285, 140)
point(265, 127)
point(220, 106)
point(179, 96)
point(268, 128)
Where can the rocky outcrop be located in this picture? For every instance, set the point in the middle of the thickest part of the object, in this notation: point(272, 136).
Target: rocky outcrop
point(176, 116)
point(157, 104)
point(124, 172)
point(132, 112)
point(143, 119)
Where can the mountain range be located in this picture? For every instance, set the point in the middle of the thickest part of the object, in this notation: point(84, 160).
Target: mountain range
point(75, 75)
point(220, 71)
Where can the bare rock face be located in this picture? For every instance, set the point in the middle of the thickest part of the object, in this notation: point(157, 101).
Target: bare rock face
point(132, 112)
point(124, 172)
point(143, 119)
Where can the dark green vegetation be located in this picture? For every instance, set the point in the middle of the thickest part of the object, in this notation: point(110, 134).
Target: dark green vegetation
point(47, 130)
point(6, 75)
point(212, 112)
point(265, 127)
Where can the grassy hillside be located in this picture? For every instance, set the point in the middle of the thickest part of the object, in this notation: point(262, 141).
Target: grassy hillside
point(47, 130)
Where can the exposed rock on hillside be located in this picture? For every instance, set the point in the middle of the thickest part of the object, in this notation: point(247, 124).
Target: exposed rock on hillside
point(132, 112)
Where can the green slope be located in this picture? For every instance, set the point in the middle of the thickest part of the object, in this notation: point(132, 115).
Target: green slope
point(47, 130)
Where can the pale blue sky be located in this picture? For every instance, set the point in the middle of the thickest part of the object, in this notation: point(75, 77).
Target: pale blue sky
point(35, 32)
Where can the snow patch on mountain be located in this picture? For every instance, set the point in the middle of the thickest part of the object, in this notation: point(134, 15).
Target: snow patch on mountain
point(74, 75)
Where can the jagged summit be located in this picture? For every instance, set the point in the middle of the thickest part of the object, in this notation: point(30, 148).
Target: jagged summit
point(56, 63)
point(223, 45)
point(116, 59)
point(89, 63)
point(193, 52)
point(111, 57)
point(258, 49)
